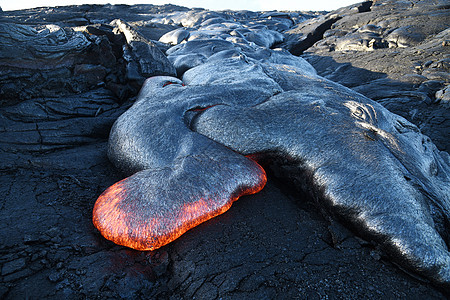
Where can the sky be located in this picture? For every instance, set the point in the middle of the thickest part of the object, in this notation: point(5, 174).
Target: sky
point(255, 5)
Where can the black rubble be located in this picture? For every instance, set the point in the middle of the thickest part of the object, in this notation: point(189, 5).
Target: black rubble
point(67, 73)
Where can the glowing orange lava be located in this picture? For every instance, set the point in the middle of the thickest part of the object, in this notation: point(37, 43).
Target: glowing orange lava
point(130, 216)
point(170, 82)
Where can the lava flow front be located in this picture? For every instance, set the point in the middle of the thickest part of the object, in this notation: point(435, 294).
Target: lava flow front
point(152, 208)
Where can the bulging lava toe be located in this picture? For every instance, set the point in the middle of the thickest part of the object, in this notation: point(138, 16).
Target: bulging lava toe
point(154, 207)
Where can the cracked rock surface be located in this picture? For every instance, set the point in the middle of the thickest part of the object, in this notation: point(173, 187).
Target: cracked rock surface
point(54, 126)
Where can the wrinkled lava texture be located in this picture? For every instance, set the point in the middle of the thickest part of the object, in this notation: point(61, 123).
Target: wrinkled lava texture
point(68, 73)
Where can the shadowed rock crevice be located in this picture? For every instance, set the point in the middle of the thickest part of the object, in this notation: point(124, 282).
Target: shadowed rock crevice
point(311, 34)
point(365, 6)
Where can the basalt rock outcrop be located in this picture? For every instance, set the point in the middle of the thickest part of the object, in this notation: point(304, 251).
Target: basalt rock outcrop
point(68, 73)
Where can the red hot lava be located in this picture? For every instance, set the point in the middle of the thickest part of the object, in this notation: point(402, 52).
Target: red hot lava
point(141, 215)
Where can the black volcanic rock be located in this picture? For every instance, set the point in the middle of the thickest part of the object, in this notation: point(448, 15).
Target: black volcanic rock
point(144, 59)
point(42, 61)
point(393, 53)
point(55, 117)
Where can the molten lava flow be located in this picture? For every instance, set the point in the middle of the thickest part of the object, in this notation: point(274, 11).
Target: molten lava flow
point(171, 82)
point(144, 212)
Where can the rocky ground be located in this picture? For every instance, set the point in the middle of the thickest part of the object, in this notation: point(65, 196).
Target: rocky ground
point(68, 72)
point(394, 52)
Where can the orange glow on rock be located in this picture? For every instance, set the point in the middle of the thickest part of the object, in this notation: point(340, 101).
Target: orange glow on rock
point(144, 213)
